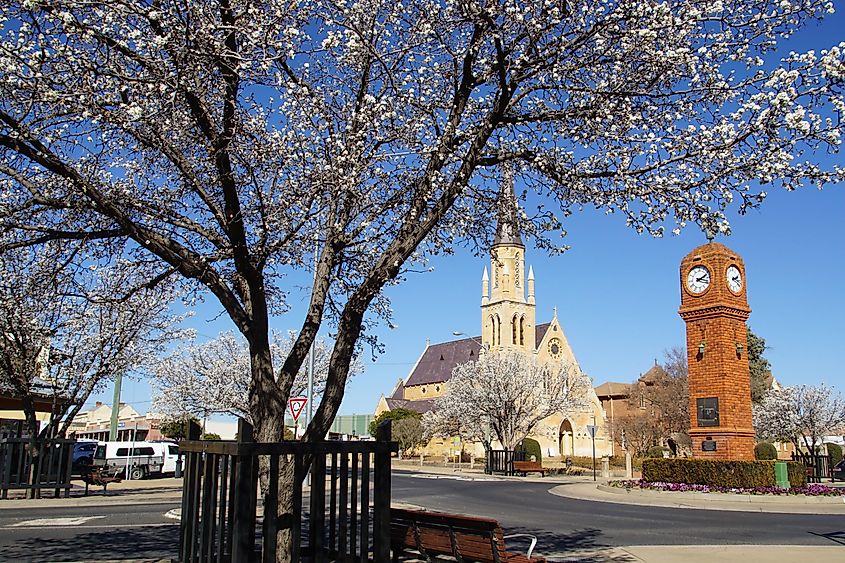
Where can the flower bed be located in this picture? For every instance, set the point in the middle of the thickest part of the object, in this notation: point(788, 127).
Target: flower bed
point(813, 490)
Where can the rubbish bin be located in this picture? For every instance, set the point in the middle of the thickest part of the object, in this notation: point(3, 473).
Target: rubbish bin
point(781, 476)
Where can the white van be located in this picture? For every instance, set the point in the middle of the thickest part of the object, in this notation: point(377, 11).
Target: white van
point(142, 458)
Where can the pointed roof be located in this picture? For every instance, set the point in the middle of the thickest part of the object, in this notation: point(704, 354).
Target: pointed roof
point(652, 375)
point(507, 228)
point(438, 360)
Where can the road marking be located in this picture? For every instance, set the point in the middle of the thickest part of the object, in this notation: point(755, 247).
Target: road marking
point(451, 477)
point(55, 522)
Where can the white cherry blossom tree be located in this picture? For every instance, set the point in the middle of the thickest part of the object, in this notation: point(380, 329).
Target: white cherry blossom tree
point(213, 377)
point(802, 414)
point(503, 396)
point(215, 140)
point(69, 326)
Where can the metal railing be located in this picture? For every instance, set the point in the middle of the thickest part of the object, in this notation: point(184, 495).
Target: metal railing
point(501, 461)
point(50, 468)
point(344, 519)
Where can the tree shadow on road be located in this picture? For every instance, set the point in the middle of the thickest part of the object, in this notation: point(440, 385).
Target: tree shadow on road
point(148, 542)
point(584, 546)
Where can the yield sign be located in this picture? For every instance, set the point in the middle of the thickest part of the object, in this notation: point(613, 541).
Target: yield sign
point(295, 406)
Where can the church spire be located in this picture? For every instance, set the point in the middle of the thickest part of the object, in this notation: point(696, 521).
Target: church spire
point(507, 228)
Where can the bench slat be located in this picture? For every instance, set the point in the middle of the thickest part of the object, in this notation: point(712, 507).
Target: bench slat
point(469, 537)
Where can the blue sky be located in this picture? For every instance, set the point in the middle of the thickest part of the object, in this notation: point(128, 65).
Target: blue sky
point(617, 293)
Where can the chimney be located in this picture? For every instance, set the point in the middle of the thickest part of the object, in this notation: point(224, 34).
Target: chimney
point(98, 404)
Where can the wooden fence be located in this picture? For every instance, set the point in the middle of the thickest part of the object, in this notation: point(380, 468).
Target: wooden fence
point(50, 469)
point(344, 520)
point(818, 466)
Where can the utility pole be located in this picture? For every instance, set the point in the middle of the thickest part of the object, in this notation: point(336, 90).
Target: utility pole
point(115, 408)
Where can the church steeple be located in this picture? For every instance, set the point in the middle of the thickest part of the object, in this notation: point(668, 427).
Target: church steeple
point(507, 316)
point(507, 226)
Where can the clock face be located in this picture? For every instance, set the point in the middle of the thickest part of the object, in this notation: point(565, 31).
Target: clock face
point(698, 279)
point(734, 279)
point(554, 347)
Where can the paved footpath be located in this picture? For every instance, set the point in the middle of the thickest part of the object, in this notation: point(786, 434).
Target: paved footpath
point(168, 491)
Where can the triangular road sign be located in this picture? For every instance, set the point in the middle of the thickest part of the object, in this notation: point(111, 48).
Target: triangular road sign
point(295, 405)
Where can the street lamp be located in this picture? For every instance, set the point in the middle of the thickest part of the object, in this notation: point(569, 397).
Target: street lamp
point(474, 339)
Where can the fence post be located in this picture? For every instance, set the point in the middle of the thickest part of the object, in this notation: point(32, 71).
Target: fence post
point(381, 493)
point(243, 534)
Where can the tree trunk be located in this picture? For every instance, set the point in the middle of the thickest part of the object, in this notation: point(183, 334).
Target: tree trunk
point(267, 408)
point(32, 445)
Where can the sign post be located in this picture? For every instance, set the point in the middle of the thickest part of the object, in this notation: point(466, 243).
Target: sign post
point(295, 406)
point(591, 428)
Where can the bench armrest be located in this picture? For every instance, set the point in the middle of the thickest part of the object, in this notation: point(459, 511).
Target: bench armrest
point(533, 541)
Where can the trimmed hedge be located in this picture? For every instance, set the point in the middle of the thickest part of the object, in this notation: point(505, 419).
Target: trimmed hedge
point(720, 473)
point(765, 450)
point(532, 447)
point(797, 473)
point(655, 452)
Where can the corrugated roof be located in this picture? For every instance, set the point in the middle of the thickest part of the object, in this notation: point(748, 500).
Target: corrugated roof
point(613, 389)
point(438, 361)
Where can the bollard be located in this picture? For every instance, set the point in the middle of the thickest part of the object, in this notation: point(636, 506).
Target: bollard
point(605, 467)
point(178, 473)
point(629, 465)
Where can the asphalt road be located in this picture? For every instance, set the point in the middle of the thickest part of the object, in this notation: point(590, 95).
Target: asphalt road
point(561, 524)
point(88, 533)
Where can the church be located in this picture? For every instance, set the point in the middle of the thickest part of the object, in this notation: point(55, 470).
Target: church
point(508, 322)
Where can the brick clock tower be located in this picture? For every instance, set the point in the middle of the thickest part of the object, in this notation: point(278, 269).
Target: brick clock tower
point(714, 306)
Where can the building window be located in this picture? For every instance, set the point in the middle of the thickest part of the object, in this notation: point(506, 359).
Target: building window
point(498, 330)
point(522, 331)
point(513, 330)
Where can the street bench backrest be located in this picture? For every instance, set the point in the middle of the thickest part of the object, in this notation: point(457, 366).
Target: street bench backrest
point(435, 533)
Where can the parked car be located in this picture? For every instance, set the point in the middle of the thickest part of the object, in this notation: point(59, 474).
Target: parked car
point(83, 454)
point(839, 471)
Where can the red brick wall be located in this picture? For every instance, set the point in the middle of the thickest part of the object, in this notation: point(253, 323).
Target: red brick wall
point(716, 317)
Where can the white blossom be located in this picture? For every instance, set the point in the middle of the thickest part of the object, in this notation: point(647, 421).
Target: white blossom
point(504, 395)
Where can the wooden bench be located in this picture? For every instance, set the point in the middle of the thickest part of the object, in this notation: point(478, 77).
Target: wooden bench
point(97, 475)
point(466, 538)
point(526, 467)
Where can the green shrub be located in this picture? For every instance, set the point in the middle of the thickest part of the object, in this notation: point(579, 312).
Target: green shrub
point(835, 452)
point(797, 473)
point(655, 451)
point(210, 436)
point(532, 447)
point(722, 473)
point(765, 450)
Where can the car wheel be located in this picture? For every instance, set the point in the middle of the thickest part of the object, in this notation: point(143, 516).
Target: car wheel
point(136, 474)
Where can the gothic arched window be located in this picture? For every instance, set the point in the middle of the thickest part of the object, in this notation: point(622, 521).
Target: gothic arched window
point(513, 330)
point(522, 330)
point(498, 340)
